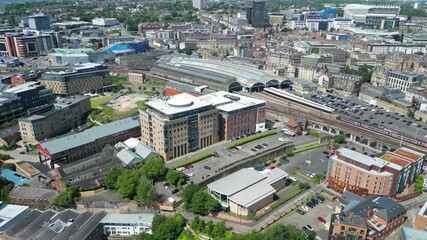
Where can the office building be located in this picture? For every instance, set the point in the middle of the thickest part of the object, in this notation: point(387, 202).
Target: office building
point(24, 99)
point(370, 218)
point(39, 22)
point(403, 80)
point(19, 45)
point(199, 4)
point(258, 13)
point(80, 79)
point(104, 22)
point(52, 225)
point(181, 124)
point(364, 175)
point(370, 15)
point(346, 84)
point(89, 142)
point(126, 225)
point(65, 115)
point(239, 115)
point(247, 190)
point(20, 78)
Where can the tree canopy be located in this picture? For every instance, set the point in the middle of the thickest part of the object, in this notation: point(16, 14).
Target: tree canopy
point(66, 198)
point(154, 168)
point(175, 177)
point(127, 183)
point(199, 202)
point(145, 193)
point(111, 178)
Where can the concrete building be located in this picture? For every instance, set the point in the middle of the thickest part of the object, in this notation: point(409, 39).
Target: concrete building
point(89, 142)
point(345, 84)
point(342, 23)
point(402, 80)
point(24, 46)
point(258, 13)
point(137, 77)
point(179, 125)
point(247, 190)
point(104, 22)
point(51, 225)
point(61, 59)
point(370, 218)
point(364, 175)
point(421, 218)
point(412, 234)
point(39, 22)
point(81, 79)
point(149, 26)
point(239, 115)
point(199, 4)
point(23, 99)
point(370, 15)
point(126, 225)
point(65, 115)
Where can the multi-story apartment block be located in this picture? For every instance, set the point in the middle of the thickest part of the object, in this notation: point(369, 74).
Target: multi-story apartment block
point(239, 115)
point(81, 79)
point(402, 80)
point(371, 218)
point(370, 15)
point(66, 114)
point(19, 45)
point(39, 22)
point(364, 175)
point(89, 142)
point(20, 100)
point(199, 4)
point(421, 218)
point(179, 125)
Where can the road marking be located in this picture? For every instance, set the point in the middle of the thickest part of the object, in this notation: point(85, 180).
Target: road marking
point(329, 206)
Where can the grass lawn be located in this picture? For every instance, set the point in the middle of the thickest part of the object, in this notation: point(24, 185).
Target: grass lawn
point(94, 103)
point(314, 133)
point(287, 198)
point(306, 147)
point(149, 93)
point(251, 138)
point(156, 83)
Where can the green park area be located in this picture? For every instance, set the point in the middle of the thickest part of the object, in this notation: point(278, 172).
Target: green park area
point(95, 102)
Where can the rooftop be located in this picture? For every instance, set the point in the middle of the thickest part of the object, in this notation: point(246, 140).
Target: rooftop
point(34, 193)
point(228, 102)
point(410, 154)
point(395, 159)
point(23, 87)
point(361, 158)
point(130, 218)
point(180, 103)
point(9, 213)
point(413, 234)
point(61, 144)
point(236, 181)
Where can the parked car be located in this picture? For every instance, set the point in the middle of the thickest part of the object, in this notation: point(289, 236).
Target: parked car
point(175, 191)
point(310, 204)
point(207, 167)
point(321, 220)
point(253, 150)
point(314, 201)
point(305, 208)
point(278, 164)
point(308, 228)
point(300, 212)
point(167, 185)
point(265, 144)
point(320, 199)
point(293, 178)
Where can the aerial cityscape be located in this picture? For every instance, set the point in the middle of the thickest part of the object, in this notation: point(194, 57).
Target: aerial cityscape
point(213, 119)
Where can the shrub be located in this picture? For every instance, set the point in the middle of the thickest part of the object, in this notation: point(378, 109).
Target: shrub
point(194, 160)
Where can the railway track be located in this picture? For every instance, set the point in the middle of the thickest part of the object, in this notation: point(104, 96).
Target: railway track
point(281, 105)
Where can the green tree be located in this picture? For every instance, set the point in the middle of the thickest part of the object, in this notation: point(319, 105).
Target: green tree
point(186, 235)
point(419, 181)
point(173, 177)
point(127, 183)
point(157, 220)
point(219, 230)
point(146, 236)
point(111, 178)
point(168, 230)
point(209, 227)
point(145, 193)
point(66, 198)
point(197, 224)
point(340, 138)
point(198, 203)
point(6, 187)
point(154, 168)
point(318, 178)
point(303, 185)
point(212, 205)
point(188, 193)
point(10, 166)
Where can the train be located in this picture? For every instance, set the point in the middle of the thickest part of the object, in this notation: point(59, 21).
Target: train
point(382, 131)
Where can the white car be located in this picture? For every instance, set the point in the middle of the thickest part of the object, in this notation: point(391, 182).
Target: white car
point(282, 139)
point(305, 208)
point(190, 174)
point(293, 178)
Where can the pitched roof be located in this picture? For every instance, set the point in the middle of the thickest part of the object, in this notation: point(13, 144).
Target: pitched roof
point(127, 156)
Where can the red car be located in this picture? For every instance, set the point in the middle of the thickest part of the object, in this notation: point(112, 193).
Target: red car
point(321, 220)
point(272, 167)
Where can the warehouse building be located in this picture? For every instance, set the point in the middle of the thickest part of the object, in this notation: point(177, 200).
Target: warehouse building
point(247, 190)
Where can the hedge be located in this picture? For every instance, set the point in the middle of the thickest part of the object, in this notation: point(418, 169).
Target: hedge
point(251, 138)
point(306, 147)
point(194, 160)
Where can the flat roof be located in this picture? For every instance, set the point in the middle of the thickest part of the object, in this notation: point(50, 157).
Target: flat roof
point(395, 159)
point(61, 144)
point(34, 193)
point(23, 87)
point(9, 212)
point(180, 103)
point(359, 157)
point(128, 218)
point(253, 194)
point(228, 102)
point(236, 181)
point(410, 154)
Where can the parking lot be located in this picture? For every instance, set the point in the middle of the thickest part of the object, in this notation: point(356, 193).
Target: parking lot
point(374, 116)
point(323, 210)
